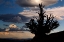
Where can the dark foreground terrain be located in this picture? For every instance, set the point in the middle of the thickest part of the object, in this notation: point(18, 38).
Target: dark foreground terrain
point(14, 40)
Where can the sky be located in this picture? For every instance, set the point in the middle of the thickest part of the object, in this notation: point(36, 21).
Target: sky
point(20, 11)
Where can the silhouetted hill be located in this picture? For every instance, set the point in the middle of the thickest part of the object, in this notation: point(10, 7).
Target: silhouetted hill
point(55, 37)
point(59, 37)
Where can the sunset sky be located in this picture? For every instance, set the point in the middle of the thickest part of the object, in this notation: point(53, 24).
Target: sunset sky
point(20, 11)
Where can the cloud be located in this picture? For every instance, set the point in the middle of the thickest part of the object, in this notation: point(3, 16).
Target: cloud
point(13, 18)
point(1, 2)
point(12, 26)
point(57, 12)
point(61, 0)
point(31, 3)
point(29, 13)
point(16, 35)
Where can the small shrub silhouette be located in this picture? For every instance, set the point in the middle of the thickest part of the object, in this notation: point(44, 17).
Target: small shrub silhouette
point(42, 26)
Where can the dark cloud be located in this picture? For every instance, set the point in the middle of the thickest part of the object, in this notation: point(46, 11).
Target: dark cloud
point(32, 3)
point(13, 18)
point(1, 1)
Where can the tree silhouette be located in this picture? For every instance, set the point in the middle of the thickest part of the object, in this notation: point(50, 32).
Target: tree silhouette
point(42, 26)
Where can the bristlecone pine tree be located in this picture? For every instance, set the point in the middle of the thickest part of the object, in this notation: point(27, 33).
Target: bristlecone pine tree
point(42, 25)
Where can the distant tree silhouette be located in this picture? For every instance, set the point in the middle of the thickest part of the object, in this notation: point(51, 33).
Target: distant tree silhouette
point(42, 26)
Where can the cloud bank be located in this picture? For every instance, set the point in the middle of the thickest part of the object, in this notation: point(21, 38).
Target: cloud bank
point(17, 18)
point(29, 13)
point(32, 3)
point(58, 12)
point(16, 35)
